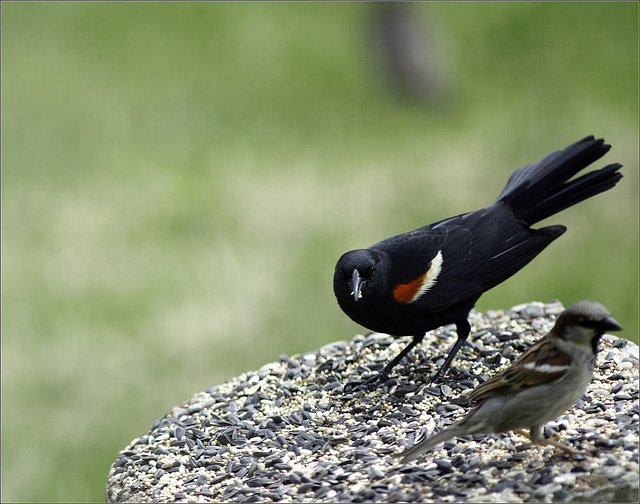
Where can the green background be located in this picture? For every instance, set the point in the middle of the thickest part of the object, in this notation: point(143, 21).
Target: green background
point(179, 179)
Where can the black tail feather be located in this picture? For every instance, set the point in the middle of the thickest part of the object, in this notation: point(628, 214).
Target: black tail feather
point(579, 190)
point(541, 190)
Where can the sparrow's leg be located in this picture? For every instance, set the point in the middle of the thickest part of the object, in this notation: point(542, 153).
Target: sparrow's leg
point(463, 329)
point(536, 437)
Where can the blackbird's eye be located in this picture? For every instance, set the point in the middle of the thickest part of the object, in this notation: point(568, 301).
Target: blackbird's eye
point(368, 271)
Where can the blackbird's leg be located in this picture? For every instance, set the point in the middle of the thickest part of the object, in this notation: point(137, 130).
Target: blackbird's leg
point(387, 369)
point(382, 376)
point(463, 328)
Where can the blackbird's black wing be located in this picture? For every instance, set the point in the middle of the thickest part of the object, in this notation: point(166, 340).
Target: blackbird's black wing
point(413, 254)
point(479, 250)
point(502, 245)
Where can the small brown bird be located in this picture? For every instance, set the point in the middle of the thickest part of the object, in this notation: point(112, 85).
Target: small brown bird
point(545, 381)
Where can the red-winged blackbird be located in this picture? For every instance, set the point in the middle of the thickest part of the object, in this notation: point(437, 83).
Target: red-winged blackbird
point(417, 281)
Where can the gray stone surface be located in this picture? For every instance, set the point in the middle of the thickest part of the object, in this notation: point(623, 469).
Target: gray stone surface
point(289, 432)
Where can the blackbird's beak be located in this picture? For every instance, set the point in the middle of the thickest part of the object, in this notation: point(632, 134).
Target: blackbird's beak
point(356, 285)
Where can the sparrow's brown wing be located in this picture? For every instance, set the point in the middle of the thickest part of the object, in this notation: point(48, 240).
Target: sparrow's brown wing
point(543, 362)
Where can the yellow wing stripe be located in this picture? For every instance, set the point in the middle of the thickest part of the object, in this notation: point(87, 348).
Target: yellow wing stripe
point(412, 291)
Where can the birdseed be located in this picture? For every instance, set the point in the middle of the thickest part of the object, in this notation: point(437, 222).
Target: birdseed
point(293, 431)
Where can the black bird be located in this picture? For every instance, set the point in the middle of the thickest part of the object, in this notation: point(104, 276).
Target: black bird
point(418, 281)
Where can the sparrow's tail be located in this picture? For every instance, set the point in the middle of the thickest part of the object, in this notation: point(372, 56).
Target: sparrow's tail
point(427, 444)
point(542, 189)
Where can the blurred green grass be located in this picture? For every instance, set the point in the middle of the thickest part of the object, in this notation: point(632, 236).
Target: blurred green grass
point(178, 181)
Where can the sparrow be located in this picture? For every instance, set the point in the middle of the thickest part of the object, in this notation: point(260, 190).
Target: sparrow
point(418, 281)
point(546, 380)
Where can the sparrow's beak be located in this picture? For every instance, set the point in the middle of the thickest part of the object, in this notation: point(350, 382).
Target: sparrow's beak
point(610, 324)
point(356, 285)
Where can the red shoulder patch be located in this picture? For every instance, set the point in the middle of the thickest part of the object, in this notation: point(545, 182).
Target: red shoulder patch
point(406, 293)
point(412, 291)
